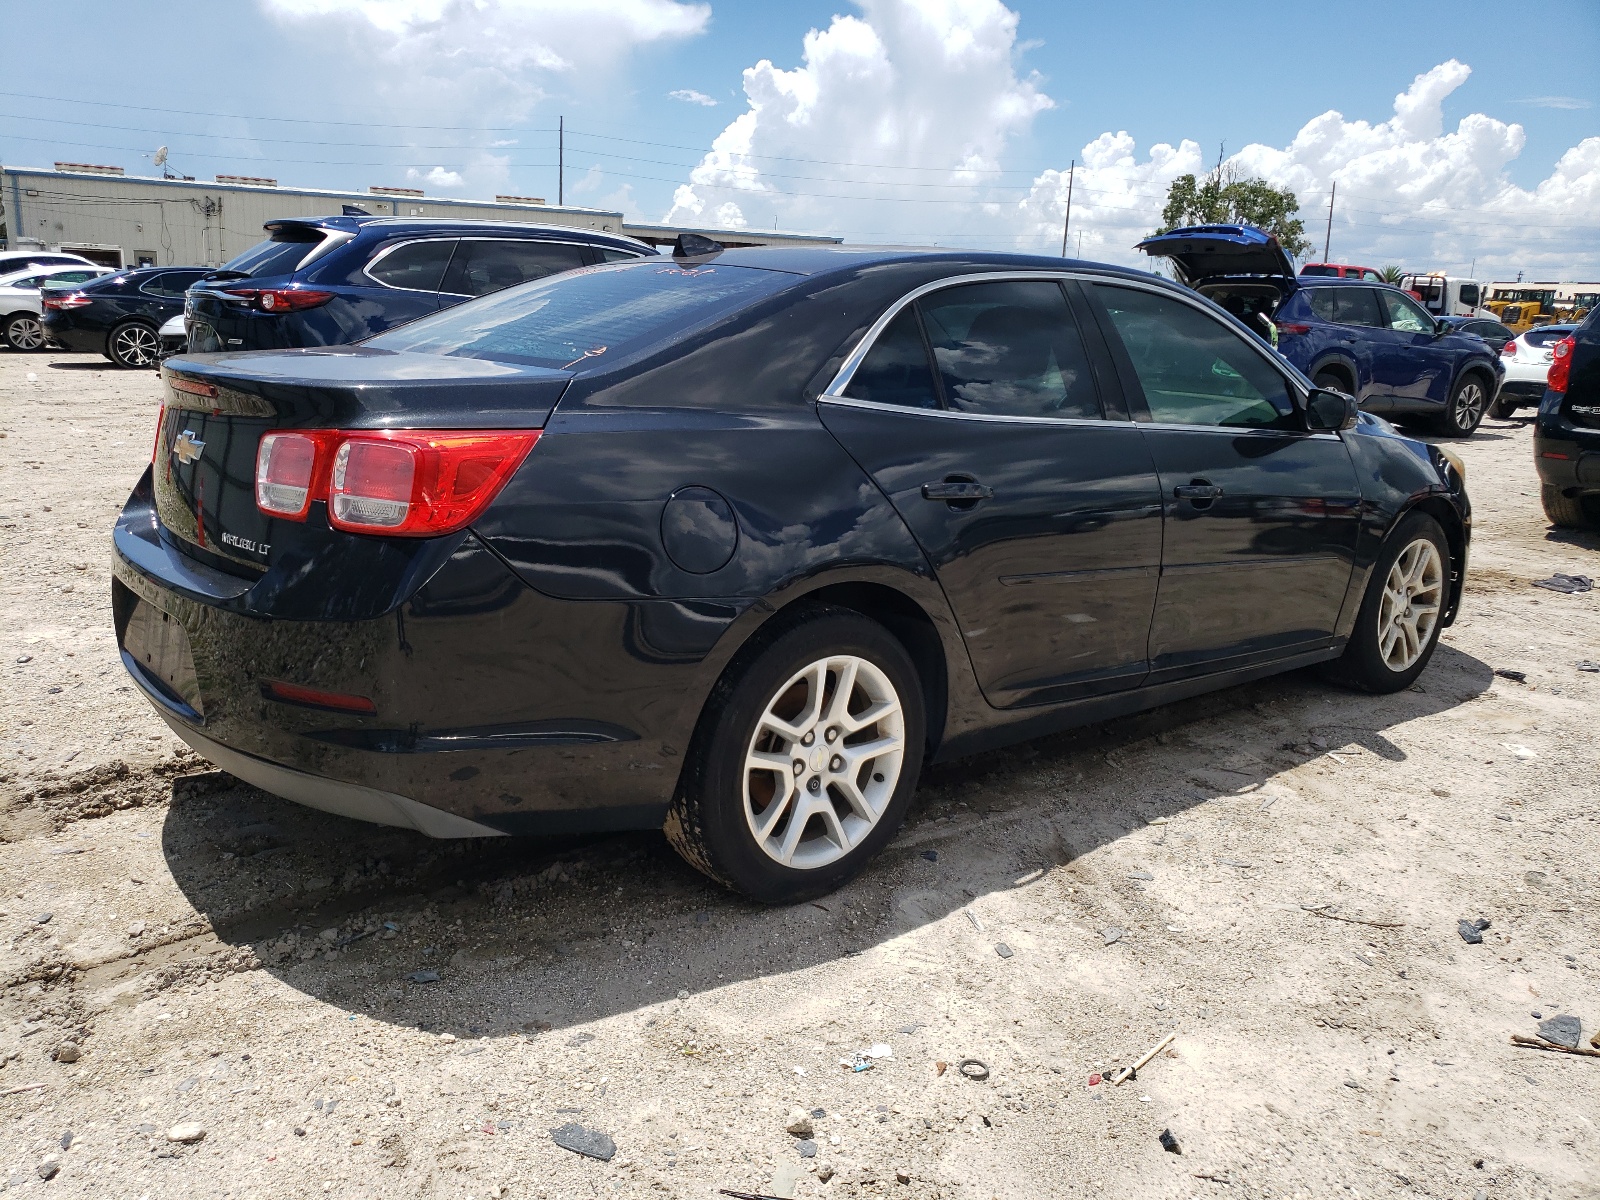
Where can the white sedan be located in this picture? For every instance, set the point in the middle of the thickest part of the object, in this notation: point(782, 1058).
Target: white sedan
point(1527, 362)
point(20, 300)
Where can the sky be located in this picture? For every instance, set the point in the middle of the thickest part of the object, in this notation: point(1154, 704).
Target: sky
point(1454, 135)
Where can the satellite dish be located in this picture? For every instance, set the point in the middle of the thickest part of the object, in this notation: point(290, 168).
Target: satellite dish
point(161, 156)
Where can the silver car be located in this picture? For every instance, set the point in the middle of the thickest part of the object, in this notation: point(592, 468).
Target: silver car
point(20, 303)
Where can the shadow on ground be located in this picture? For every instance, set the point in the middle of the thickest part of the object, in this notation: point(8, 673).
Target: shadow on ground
point(527, 934)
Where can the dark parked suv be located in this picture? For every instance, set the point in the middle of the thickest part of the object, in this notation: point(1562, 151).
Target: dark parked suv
point(1369, 340)
point(1566, 439)
point(118, 315)
point(325, 281)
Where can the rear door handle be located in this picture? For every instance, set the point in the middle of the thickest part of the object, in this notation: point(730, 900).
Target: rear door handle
point(1197, 491)
point(957, 489)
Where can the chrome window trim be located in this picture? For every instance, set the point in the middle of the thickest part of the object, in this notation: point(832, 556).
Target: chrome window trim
point(1000, 418)
point(392, 247)
point(834, 392)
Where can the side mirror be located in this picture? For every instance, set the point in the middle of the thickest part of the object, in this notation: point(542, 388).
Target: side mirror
point(1329, 411)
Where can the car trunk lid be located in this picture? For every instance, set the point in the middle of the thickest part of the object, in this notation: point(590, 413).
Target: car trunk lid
point(1201, 252)
point(217, 407)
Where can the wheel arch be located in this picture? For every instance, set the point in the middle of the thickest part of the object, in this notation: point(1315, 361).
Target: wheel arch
point(1486, 374)
point(1455, 536)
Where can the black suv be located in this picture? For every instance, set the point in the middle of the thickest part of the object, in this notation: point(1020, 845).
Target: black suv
point(326, 281)
point(1566, 439)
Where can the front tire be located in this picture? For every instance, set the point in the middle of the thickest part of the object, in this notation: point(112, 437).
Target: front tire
point(133, 346)
point(1503, 407)
point(24, 333)
point(1398, 627)
point(805, 761)
point(1465, 410)
point(1569, 512)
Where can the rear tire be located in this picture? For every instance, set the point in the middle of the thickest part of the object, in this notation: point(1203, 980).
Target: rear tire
point(24, 333)
point(1465, 410)
point(780, 741)
point(1333, 381)
point(133, 345)
point(1401, 617)
point(1569, 512)
point(1503, 407)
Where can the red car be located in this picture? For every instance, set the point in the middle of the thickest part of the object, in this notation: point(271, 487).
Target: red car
point(1342, 271)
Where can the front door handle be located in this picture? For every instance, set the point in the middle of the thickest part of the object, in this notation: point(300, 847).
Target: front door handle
point(957, 490)
point(1197, 491)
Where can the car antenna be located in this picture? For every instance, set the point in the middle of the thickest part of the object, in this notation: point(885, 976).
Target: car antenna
point(694, 245)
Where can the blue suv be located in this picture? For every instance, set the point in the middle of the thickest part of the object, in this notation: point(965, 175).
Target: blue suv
point(1369, 340)
point(326, 281)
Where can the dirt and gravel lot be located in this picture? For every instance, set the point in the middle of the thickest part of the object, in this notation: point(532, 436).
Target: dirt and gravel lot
point(177, 948)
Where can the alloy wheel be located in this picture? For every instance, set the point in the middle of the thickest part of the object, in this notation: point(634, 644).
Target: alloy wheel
point(25, 333)
point(1468, 405)
point(1413, 595)
point(823, 763)
point(134, 346)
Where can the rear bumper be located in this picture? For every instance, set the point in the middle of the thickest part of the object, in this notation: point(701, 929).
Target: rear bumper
point(1567, 456)
point(62, 333)
point(499, 709)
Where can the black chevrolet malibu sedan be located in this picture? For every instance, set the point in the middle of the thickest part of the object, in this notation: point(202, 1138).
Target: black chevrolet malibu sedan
point(732, 544)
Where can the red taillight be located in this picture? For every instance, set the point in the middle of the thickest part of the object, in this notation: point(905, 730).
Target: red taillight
point(410, 483)
point(287, 466)
point(1510, 348)
point(294, 693)
point(71, 300)
point(277, 300)
point(1561, 364)
point(1292, 327)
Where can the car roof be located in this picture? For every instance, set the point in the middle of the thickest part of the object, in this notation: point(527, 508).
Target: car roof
point(823, 260)
point(358, 224)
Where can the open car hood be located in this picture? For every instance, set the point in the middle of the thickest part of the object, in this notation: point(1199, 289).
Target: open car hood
point(1201, 252)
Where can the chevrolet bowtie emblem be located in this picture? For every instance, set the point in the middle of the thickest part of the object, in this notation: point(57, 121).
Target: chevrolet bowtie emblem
point(186, 447)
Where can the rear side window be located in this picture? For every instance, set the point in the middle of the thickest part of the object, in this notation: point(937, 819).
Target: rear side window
point(491, 266)
point(168, 283)
point(599, 313)
point(1010, 349)
point(278, 255)
point(896, 370)
point(1193, 369)
point(609, 255)
point(1405, 314)
point(415, 266)
point(1347, 306)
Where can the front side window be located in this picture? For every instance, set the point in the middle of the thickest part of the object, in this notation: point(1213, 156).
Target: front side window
point(1193, 369)
point(415, 266)
point(1010, 349)
point(896, 370)
point(480, 268)
point(1405, 314)
point(1469, 294)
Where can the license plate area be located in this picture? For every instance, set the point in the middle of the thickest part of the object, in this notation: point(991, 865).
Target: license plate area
point(155, 644)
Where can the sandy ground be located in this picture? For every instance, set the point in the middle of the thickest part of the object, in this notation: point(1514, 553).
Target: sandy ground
point(213, 955)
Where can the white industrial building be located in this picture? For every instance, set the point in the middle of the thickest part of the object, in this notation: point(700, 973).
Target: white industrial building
point(125, 220)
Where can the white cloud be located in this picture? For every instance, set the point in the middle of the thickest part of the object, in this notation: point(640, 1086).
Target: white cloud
point(1568, 102)
point(1409, 190)
point(924, 84)
point(690, 96)
point(507, 35)
point(438, 177)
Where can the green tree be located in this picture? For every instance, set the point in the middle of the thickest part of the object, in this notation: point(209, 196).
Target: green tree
point(1392, 274)
point(1222, 198)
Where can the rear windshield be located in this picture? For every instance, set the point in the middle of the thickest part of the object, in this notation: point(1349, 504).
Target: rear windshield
point(1319, 270)
point(594, 311)
point(278, 255)
point(1549, 335)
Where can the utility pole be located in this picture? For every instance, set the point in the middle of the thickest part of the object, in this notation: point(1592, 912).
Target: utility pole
point(1328, 239)
point(1067, 224)
point(1080, 243)
point(561, 161)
